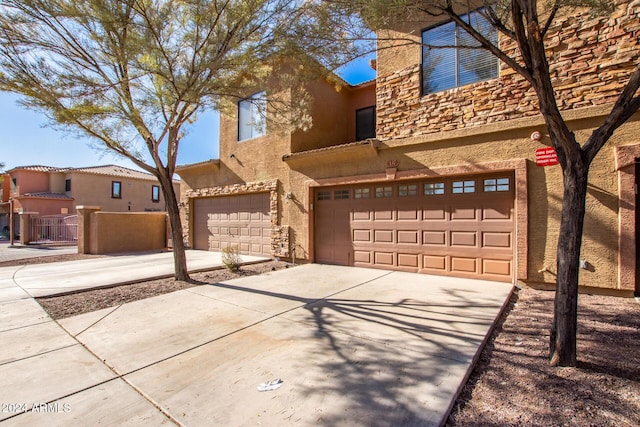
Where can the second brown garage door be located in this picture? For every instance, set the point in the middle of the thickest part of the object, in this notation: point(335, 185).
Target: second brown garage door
point(461, 226)
point(241, 221)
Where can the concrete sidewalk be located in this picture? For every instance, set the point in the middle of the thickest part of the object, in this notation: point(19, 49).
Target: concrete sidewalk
point(39, 280)
point(352, 346)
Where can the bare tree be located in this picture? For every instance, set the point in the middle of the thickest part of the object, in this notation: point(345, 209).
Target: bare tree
point(131, 73)
point(527, 24)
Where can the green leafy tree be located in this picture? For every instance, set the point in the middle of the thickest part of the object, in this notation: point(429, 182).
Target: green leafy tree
point(131, 73)
point(527, 24)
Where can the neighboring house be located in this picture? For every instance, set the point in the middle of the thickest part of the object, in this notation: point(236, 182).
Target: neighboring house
point(50, 190)
point(457, 181)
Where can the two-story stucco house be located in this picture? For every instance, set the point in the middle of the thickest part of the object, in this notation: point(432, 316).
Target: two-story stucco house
point(440, 166)
point(48, 190)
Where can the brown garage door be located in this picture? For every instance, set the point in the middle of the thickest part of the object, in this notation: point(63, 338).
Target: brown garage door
point(241, 220)
point(462, 226)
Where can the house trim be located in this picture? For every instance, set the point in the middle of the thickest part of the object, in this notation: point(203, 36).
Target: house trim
point(625, 157)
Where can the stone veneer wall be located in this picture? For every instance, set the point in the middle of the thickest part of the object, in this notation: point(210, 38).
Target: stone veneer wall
point(591, 61)
point(279, 233)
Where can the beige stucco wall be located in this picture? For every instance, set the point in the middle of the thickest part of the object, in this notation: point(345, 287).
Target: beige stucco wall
point(29, 181)
point(117, 232)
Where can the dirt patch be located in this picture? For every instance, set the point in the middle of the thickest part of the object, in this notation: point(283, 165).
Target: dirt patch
point(513, 384)
point(48, 259)
point(86, 301)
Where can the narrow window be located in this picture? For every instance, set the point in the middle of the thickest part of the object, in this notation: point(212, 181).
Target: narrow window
point(464, 187)
point(361, 193)
point(365, 123)
point(433, 188)
point(407, 190)
point(252, 113)
point(67, 185)
point(384, 192)
point(116, 189)
point(155, 193)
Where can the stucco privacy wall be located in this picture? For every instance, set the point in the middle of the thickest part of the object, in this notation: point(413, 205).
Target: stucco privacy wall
point(279, 233)
point(117, 232)
point(590, 60)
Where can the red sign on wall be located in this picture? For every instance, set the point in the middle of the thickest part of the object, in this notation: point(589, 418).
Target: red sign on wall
point(546, 156)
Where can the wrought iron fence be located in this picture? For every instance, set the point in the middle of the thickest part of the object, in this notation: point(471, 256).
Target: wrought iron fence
point(53, 228)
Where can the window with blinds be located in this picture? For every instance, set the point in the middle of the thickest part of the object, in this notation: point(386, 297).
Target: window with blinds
point(452, 58)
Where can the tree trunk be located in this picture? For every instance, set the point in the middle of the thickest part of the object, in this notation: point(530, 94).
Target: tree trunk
point(565, 320)
point(179, 255)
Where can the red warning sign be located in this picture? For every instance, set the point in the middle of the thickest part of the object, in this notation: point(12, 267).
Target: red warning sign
point(546, 156)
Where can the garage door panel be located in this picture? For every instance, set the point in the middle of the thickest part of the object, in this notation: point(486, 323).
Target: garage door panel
point(362, 216)
point(383, 236)
point(383, 215)
point(383, 258)
point(463, 214)
point(438, 238)
point(435, 262)
point(408, 260)
point(434, 214)
point(463, 238)
point(362, 257)
point(492, 213)
point(363, 236)
point(408, 237)
point(499, 267)
point(408, 215)
point(496, 240)
point(466, 265)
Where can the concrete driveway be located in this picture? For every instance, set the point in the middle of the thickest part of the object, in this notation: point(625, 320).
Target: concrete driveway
point(351, 346)
point(39, 280)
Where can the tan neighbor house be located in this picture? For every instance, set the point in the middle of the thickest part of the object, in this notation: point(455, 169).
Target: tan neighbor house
point(48, 190)
point(455, 177)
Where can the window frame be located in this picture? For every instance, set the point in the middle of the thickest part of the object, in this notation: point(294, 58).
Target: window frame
point(116, 194)
point(256, 128)
point(458, 40)
point(155, 193)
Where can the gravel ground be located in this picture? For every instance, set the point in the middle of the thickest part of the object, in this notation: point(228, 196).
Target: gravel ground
point(512, 383)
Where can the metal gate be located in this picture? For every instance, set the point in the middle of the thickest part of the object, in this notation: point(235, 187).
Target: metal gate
point(53, 228)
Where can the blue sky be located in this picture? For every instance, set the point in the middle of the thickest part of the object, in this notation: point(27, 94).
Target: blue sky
point(26, 140)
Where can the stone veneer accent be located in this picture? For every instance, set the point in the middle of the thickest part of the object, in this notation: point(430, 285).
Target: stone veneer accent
point(279, 233)
point(591, 60)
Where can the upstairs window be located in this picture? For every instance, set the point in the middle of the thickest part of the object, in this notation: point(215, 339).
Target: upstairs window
point(155, 193)
point(252, 113)
point(116, 190)
point(448, 67)
point(365, 123)
point(67, 185)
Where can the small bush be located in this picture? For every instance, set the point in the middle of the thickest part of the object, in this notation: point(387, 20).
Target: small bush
point(231, 258)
